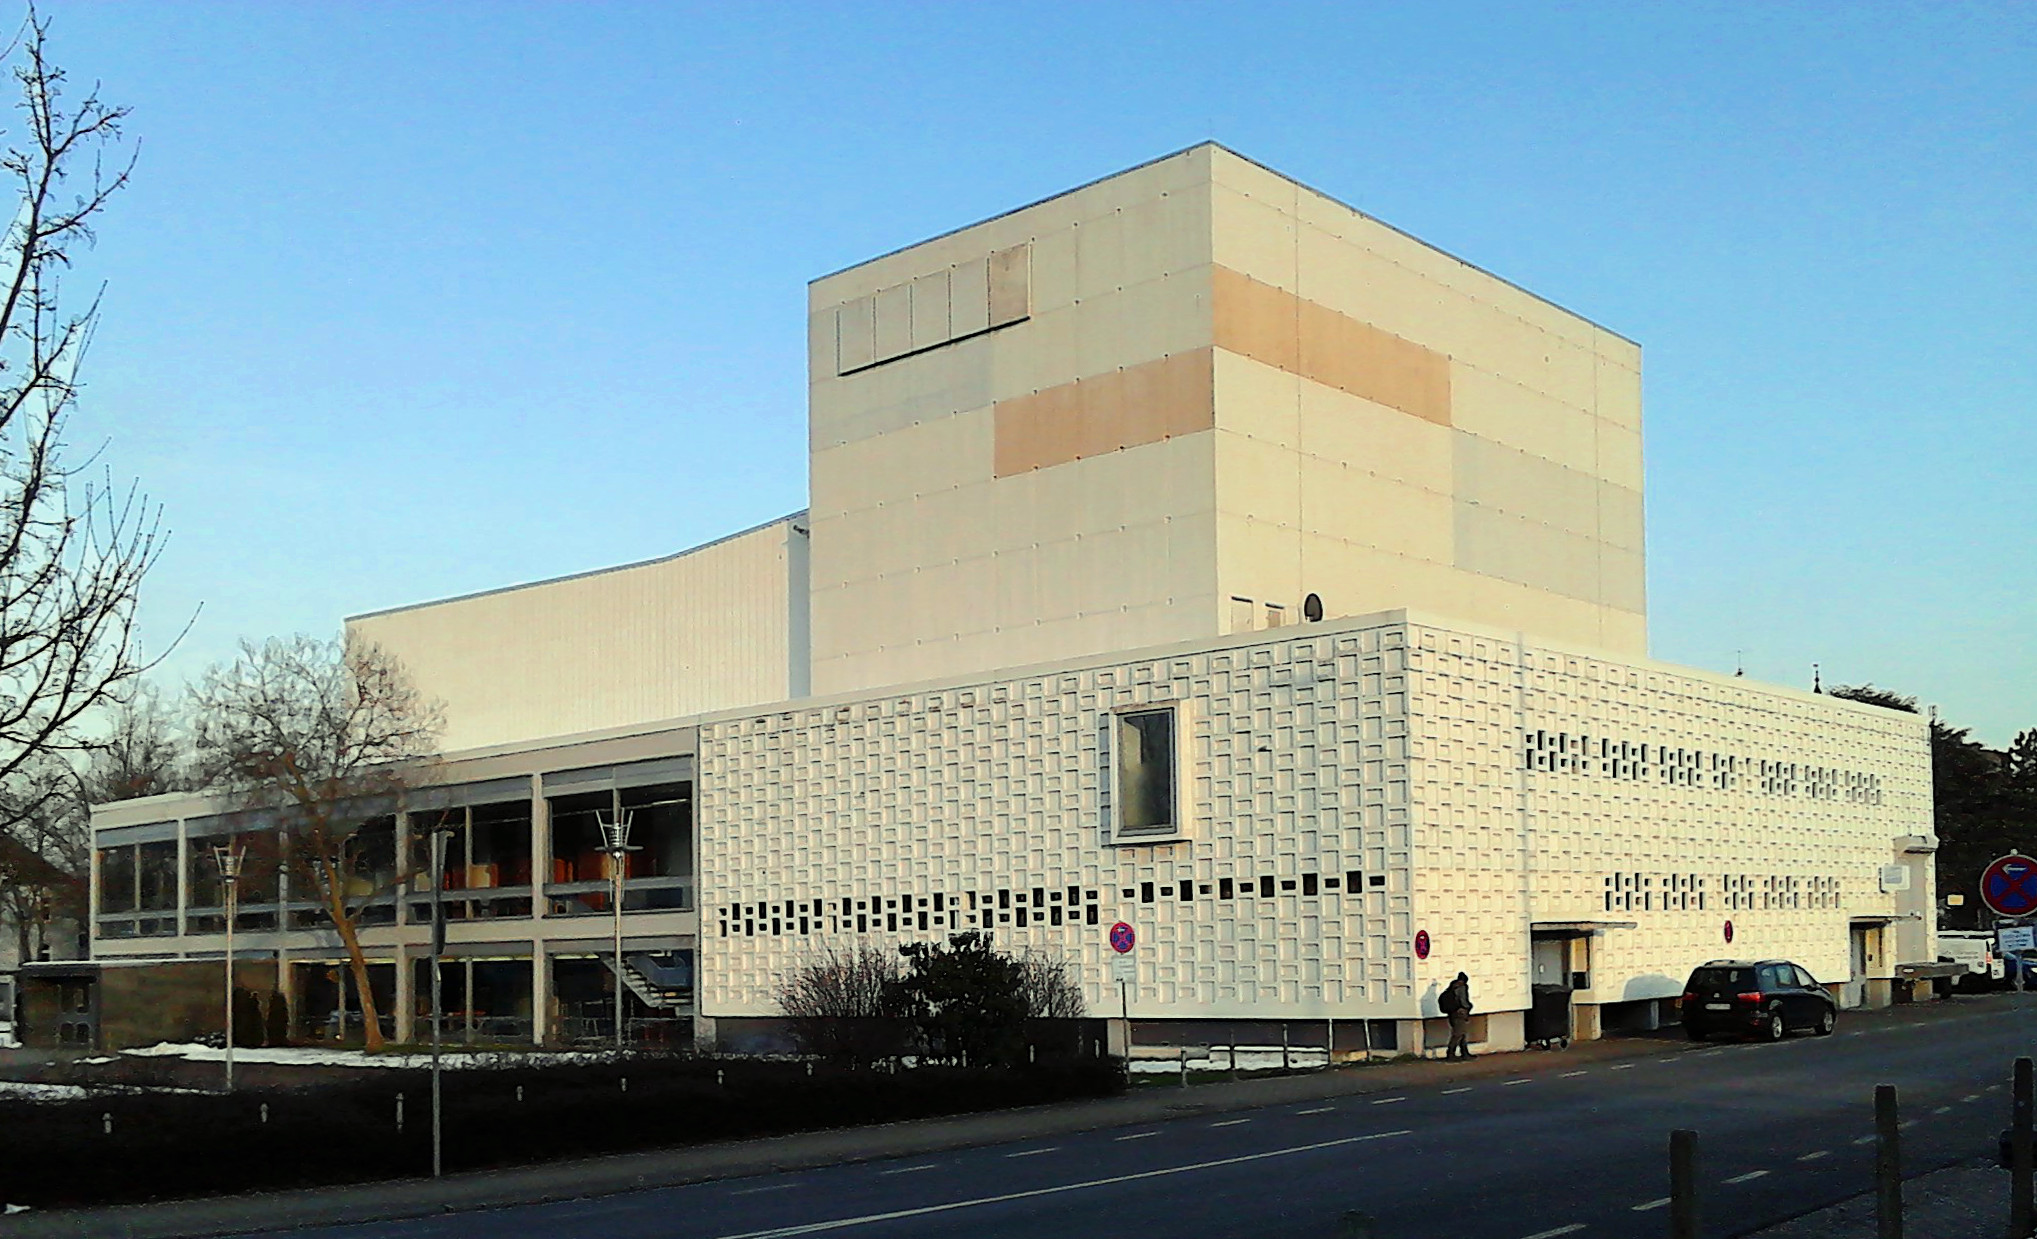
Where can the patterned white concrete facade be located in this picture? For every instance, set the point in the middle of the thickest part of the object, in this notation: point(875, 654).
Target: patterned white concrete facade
point(1389, 748)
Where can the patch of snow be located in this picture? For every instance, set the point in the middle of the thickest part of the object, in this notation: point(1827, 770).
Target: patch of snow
point(1220, 1060)
point(104, 1058)
point(313, 1056)
point(23, 1090)
point(15, 1209)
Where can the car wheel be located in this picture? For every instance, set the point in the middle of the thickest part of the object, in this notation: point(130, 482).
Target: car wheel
point(1827, 1022)
point(1775, 1028)
point(1693, 1032)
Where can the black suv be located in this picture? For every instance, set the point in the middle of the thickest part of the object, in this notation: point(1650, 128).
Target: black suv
point(1765, 998)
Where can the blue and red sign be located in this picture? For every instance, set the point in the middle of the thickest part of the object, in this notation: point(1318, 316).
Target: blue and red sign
point(1122, 939)
point(1729, 931)
point(2009, 886)
point(1421, 944)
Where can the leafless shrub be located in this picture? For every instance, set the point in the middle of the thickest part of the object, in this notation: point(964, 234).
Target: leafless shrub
point(839, 1002)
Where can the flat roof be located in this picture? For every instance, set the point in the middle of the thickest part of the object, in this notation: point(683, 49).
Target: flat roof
point(1212, 144)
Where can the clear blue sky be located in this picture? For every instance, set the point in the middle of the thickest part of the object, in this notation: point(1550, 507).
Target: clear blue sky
point(408, 301)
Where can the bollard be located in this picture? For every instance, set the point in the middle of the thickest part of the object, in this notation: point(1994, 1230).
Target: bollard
point(625, 1084)
point(106, 1122)
point(399, 1114)
point(1356, 1226)
point(2022, 1211)
point(265, 1112)
point(1234, 1054)
point(1888, 1165)
point(720, 1078)
point(1284, 1064)
point(1032, 1055)
point(519, 1092)
point(809, 1067)
point(1683, 1204)
point(1183, 1052)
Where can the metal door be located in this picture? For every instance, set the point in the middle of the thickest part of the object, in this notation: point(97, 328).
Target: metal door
point(1551, 957)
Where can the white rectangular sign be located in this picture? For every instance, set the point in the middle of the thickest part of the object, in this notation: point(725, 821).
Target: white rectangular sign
point(1895, 877)
point(1124, 968)
point(2016, 938)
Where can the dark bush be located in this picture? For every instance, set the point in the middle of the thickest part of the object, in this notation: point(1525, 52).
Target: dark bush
point(247, 1017)
point(165, 1146)
point(278, 1028)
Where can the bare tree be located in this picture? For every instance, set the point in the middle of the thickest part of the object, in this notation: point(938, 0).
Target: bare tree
point(45, 852)
point(840, 1003)
point(141, 753)
point(1049, 988)
point(73, 551)
point(318, 740)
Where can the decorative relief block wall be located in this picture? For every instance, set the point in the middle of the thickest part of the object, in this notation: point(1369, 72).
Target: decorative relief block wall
point(1552, 785)
point(913, 816)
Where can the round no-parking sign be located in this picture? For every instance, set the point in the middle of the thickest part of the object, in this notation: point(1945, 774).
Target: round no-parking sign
point(1729, 931)
point(1422, 944)
point(1122, 939)
point(2009, 886)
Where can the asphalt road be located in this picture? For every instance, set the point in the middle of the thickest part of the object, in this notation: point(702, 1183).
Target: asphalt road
point(1567, 1147)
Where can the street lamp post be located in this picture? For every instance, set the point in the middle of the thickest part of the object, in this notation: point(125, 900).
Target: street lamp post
point(615, 837)
point(439, 835)
point(229, 861)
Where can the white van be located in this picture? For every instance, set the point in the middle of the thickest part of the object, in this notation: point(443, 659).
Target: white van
point(1976, 949)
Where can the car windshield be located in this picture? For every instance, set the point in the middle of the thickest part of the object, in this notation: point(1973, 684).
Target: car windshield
point(1721, 978)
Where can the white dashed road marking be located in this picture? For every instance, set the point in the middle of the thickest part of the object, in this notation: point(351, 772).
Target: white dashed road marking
point(908, 1169)
point(1230, 1122)
point(1139, 1135)
point(1624, 1067)
point(1568, 1074)
point(1652, 1204)
point(1383, 1101)
point(1971, 1097)
point(1939, 1110)
point(814, 1228)
point(1571, 1229)
point(1905, 1125)
point(1317, 1110)
point(1452, 1091)
point(1861, 1140)
point(1511, 1083)
point(1749, 1177)
point(1814, 1155)
point(1034, 1152)
point(776, 1187)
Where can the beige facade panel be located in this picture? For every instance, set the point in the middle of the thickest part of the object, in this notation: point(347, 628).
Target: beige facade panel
point(1621, 521)
point(894, 322)
point(1126, 408)
point(715, 628)
point(1011, 285)
point(856, 334)
point(969, 298)
point(1525, 485)
point(930, 321)
point(1281, 330)
point(1497, 543)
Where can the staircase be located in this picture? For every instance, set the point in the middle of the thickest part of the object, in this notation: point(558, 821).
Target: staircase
point(658, 986)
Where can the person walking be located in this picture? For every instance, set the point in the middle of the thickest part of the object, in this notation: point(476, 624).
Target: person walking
point(1456, 1003)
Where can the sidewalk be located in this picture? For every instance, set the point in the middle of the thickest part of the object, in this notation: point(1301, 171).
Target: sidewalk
point(1145, 1103)
point(1960, 1202)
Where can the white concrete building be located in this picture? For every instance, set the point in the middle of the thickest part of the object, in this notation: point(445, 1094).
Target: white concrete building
point(1188, 549)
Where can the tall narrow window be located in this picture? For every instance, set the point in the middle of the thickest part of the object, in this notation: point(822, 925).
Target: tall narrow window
point(1275, 615)
point(1145, 772)
point(1242, 615)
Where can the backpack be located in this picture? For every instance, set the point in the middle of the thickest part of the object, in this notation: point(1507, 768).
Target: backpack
point(1452, 1000)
